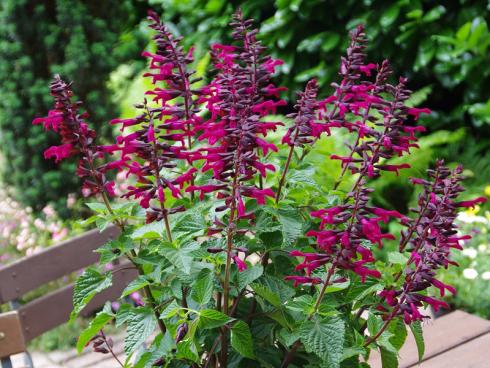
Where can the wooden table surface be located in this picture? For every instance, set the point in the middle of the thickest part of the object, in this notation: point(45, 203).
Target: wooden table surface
point(456, 340)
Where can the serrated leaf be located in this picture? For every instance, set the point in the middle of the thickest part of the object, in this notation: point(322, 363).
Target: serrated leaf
point(325, 338)
point(86, 287)
point(303, 303)
point(249, 275)
point(399, 331)
point(397, 258)
point(267, 294)
point(153, 230)
point(141, 323)
point(416, 328)
point(100, 320)
point(186, 349)
point(210, 318)
point(123, 314)
point(190, 223)
point(97, 207)
point(135, 285)
point(202, 291)
point(241, 339)
point(389, 359)
point(292, 225)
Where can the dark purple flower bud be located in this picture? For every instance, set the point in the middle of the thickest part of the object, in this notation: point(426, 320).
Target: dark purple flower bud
point(181, 332)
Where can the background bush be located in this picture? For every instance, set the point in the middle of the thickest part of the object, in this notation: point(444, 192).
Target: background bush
point(83, 41)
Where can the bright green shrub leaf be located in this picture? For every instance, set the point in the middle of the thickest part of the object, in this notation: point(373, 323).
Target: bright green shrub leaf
point(325, 338)
point(141, 323)
point(416, 328)
point(241, 339)
point(100, 320)
point(202, 291)
point(267, 294)
point(249, 275)
point(186, 349)
point(87, 285)
point(135, 285)
point(210, 318)
point(97, 207)
point(152, 230)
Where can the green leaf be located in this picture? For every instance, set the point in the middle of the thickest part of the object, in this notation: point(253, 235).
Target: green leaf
point(389, 359)
point(241, 339)
point(87, 285)
point(202, 291)
point(325, 338)
point(399, 331)
point(153, 230)
point(416, 328)
point(249, 275)
point(141, 323)
point(292, 225)
point(267, 294)
point(397, 258)
point(186, 349)
point(210, 318)
point(100, 320)
point(97, 207)
point(191, 222)
point(138, 283)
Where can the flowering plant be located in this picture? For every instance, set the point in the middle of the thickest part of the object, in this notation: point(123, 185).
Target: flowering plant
point(246, 255)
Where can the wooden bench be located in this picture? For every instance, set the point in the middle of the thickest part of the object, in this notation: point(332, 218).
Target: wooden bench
point(456, 340)
point(28, 320)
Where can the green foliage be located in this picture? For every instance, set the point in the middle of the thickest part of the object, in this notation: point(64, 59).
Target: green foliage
point(87, 286)
point(446, 44)
point(325, 338)
point(81, 41)
point(101, 319)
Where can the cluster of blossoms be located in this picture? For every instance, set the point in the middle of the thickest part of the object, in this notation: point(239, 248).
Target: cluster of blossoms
point(348, 230)
point(237, 98)
point(77, 139)
point(161, 135)
point(429, 239)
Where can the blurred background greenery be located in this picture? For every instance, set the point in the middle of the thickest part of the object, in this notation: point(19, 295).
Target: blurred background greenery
point(442, 47)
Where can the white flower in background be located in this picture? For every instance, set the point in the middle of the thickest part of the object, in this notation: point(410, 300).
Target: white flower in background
point(485, 275)
point(470, 252)
point(482, 247)
point(470, 273)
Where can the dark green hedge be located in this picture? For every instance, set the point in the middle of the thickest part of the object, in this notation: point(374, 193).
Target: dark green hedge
point(81, 40)
point(443, 48)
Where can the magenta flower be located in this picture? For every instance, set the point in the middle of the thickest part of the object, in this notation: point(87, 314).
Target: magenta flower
point(76, 138)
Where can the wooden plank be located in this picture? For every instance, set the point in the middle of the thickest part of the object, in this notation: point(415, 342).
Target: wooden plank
point(472, 354)
point(441, 334)
point(11, 337)
point(54, 309)
point(31, 272)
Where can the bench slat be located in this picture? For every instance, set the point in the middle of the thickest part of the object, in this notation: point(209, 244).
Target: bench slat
point(31, 272)
point(11, 338)
point(49, 311)
point(474, 354)
point(440, 335)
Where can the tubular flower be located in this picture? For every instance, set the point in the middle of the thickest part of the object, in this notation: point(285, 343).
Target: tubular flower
point(428, 239)
point(162, 135)
point(238, 97)
point(76, 138)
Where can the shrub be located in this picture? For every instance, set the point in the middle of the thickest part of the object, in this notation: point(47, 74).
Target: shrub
point(246, 253)
point(40, 38)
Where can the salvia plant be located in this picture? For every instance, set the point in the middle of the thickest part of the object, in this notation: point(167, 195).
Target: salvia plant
point(248, 254)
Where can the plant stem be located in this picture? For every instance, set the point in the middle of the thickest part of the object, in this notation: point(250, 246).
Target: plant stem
point(109, 347)
point(283, 177)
